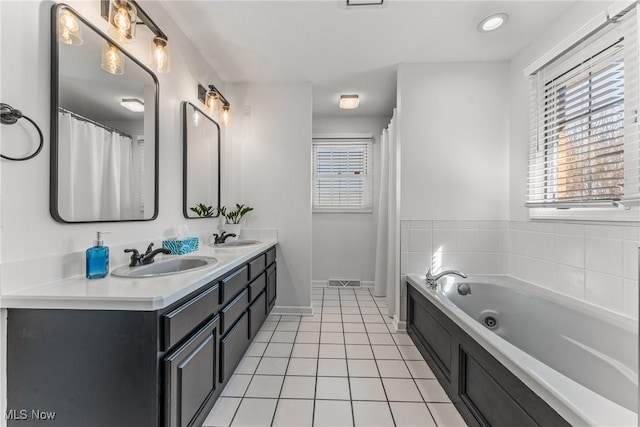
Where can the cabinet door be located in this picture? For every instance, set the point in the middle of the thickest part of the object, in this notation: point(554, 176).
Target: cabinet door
point(190, 376)
point(232, 347)
point(271, 286)
point(257, 314)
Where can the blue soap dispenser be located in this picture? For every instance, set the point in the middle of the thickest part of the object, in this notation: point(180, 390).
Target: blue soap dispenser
point(98, 258)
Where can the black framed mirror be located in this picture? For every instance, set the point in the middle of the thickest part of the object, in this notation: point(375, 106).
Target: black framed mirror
point(201, 163)
point(104, 126)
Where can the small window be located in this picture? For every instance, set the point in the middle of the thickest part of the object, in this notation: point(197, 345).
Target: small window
point(342, 171)
point(583, 151)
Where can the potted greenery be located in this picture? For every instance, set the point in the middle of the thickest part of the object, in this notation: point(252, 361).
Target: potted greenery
point(203, 210)
point(233, 217)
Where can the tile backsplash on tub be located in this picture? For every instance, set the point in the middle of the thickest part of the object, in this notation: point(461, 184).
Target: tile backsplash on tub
point(592, 262)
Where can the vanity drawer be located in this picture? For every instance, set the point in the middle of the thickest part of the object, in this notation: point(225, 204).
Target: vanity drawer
point(178, 323)
point(233, 346)
point(232, 311)
point(257, 266)
point(233, 284)
point(271, 256)
point(257, 286)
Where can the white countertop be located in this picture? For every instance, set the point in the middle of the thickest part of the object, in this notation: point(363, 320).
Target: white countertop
point(146, 294)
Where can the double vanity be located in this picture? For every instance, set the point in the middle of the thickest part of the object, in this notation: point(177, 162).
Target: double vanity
point(124, 351)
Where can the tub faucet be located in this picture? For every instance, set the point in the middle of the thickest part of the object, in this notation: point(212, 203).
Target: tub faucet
point(147, 258)
point(432, 281)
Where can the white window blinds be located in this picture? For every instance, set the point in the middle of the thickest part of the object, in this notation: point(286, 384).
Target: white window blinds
point(342, 170)
point(584, 122)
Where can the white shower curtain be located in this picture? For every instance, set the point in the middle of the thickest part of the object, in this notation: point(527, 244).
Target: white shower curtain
point(387, 258)
point(95, 172)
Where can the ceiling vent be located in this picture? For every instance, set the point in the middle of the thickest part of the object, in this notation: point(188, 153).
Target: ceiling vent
point(355, 3)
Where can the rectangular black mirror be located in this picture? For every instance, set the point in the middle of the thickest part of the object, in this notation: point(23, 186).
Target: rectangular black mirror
point(201, 163)
point(104, 126)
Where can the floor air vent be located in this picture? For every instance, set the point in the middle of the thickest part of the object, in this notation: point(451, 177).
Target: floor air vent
point(344, 284)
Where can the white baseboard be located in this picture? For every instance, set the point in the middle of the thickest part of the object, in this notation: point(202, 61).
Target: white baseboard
point(280, 310)
point(399, 325)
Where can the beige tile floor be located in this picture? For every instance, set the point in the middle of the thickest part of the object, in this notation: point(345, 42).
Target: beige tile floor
point(343, 366)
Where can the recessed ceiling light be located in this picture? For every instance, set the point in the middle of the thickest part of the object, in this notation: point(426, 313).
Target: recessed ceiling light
point(492, 22)
point(349, 102)
point(133, 104)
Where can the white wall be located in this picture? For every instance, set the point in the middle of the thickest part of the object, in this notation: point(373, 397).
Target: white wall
point(28, 231)
point(268, 153)
point(453, 130)
point(344, 245)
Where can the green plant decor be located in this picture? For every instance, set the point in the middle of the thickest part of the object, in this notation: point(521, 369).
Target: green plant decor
point(204, 211)
point(234, 216)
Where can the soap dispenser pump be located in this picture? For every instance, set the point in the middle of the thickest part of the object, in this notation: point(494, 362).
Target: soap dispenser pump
point(98, 258)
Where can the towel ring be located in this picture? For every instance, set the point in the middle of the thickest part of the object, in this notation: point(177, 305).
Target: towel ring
point(9, 116)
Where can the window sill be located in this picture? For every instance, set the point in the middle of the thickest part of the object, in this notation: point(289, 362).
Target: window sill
point(342, 210)
point(619, 214)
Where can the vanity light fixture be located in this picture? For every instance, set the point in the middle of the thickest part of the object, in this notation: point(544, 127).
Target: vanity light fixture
point(215, 102)
point(349, 102)
point(69, 29)
point(493, 22)
point(112, 59)
point(123, 16)
point(133, 104)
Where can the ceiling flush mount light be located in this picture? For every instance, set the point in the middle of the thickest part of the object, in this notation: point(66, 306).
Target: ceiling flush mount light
point(122, 16)
point(133, 104)
point(112, 59)
point(215, 102)
point(69, 30)
point(349, 102)
point(493, 22)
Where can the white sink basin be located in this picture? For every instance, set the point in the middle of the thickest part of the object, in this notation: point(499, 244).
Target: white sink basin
point(165, 267)
point(235, 244)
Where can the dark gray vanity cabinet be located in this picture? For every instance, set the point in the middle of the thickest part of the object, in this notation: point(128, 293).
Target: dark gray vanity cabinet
point(162, 368)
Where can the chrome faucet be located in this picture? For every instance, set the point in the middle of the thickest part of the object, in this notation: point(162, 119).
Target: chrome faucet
point(432, 281)
point(147, 258)
point(219, 239)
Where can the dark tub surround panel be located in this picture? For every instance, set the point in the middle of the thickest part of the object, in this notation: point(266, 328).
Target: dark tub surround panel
point(163, 368)
point(485, 392)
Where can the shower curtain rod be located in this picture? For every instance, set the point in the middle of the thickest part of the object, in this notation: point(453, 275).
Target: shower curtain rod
point(93, 122)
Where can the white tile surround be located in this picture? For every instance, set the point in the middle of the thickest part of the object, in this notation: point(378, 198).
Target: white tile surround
point(592, 262)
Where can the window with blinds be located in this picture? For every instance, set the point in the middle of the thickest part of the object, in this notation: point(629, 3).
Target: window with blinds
point(342, 180)
point(584, 122)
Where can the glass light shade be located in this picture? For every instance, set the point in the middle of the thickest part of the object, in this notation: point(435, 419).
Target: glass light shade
point(226, 115)
point(69, 29)
point(213, 102)
point(159, 53)
point(122, 20)
point(112, 59)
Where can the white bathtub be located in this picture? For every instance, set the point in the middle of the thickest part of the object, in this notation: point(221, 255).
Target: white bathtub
point(582, 360)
